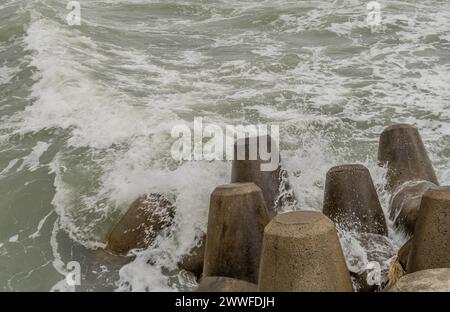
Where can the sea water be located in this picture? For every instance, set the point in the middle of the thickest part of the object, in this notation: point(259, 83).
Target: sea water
point(87, 111)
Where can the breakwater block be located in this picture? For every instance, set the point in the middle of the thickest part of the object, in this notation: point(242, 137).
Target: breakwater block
point(193, 260)
point(405, 204)
point(236, 221)
point(430, 247)
point(402, 150)
point(432, 280)
point(301, 252)
point(144, 220)
point(248, 166)
point(351, 200)
point(403, 253)
point(225, 284)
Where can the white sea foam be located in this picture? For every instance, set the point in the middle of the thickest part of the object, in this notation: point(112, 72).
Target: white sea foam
point(40, 225)
point(31, 162)
point(6, 74)
point(13, 239)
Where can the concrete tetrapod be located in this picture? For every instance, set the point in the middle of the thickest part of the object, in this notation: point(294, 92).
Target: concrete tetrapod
point(301, 252)
point(432, 280)
point(403, 253)
point(236, 221)
point(146, 217)
point(430, 247)
point(225, 284)
point(402, 149)
point(257, 160)
point(351, 201)
point(405, 204)
point(193, 260)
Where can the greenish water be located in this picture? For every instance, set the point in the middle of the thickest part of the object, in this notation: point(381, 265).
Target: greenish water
point(86, 114)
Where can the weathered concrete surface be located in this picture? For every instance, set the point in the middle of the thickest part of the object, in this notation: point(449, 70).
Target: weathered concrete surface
point(144, 220)
point(430, 246)
point(247, 168)
point(402, 149)
point(405, 204)
point(302, 252)
point(432, 280)
point(193, 261)
point(351, 200)
point(225, 284)
point(237, 217)
point(403, 253)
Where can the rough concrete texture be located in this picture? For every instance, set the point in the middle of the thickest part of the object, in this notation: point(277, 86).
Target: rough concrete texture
point(351, 201)
point(430, 246)
point(405, 204)
point(141, 224)
point(432, 280)
point(193, 260)
point(247, 168)
point(225, 284)
point(403, 253)
point(302, 252)
point(402, 149)
point(237, 217)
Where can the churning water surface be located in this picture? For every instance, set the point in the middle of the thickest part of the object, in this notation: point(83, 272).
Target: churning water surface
point(86, 114)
